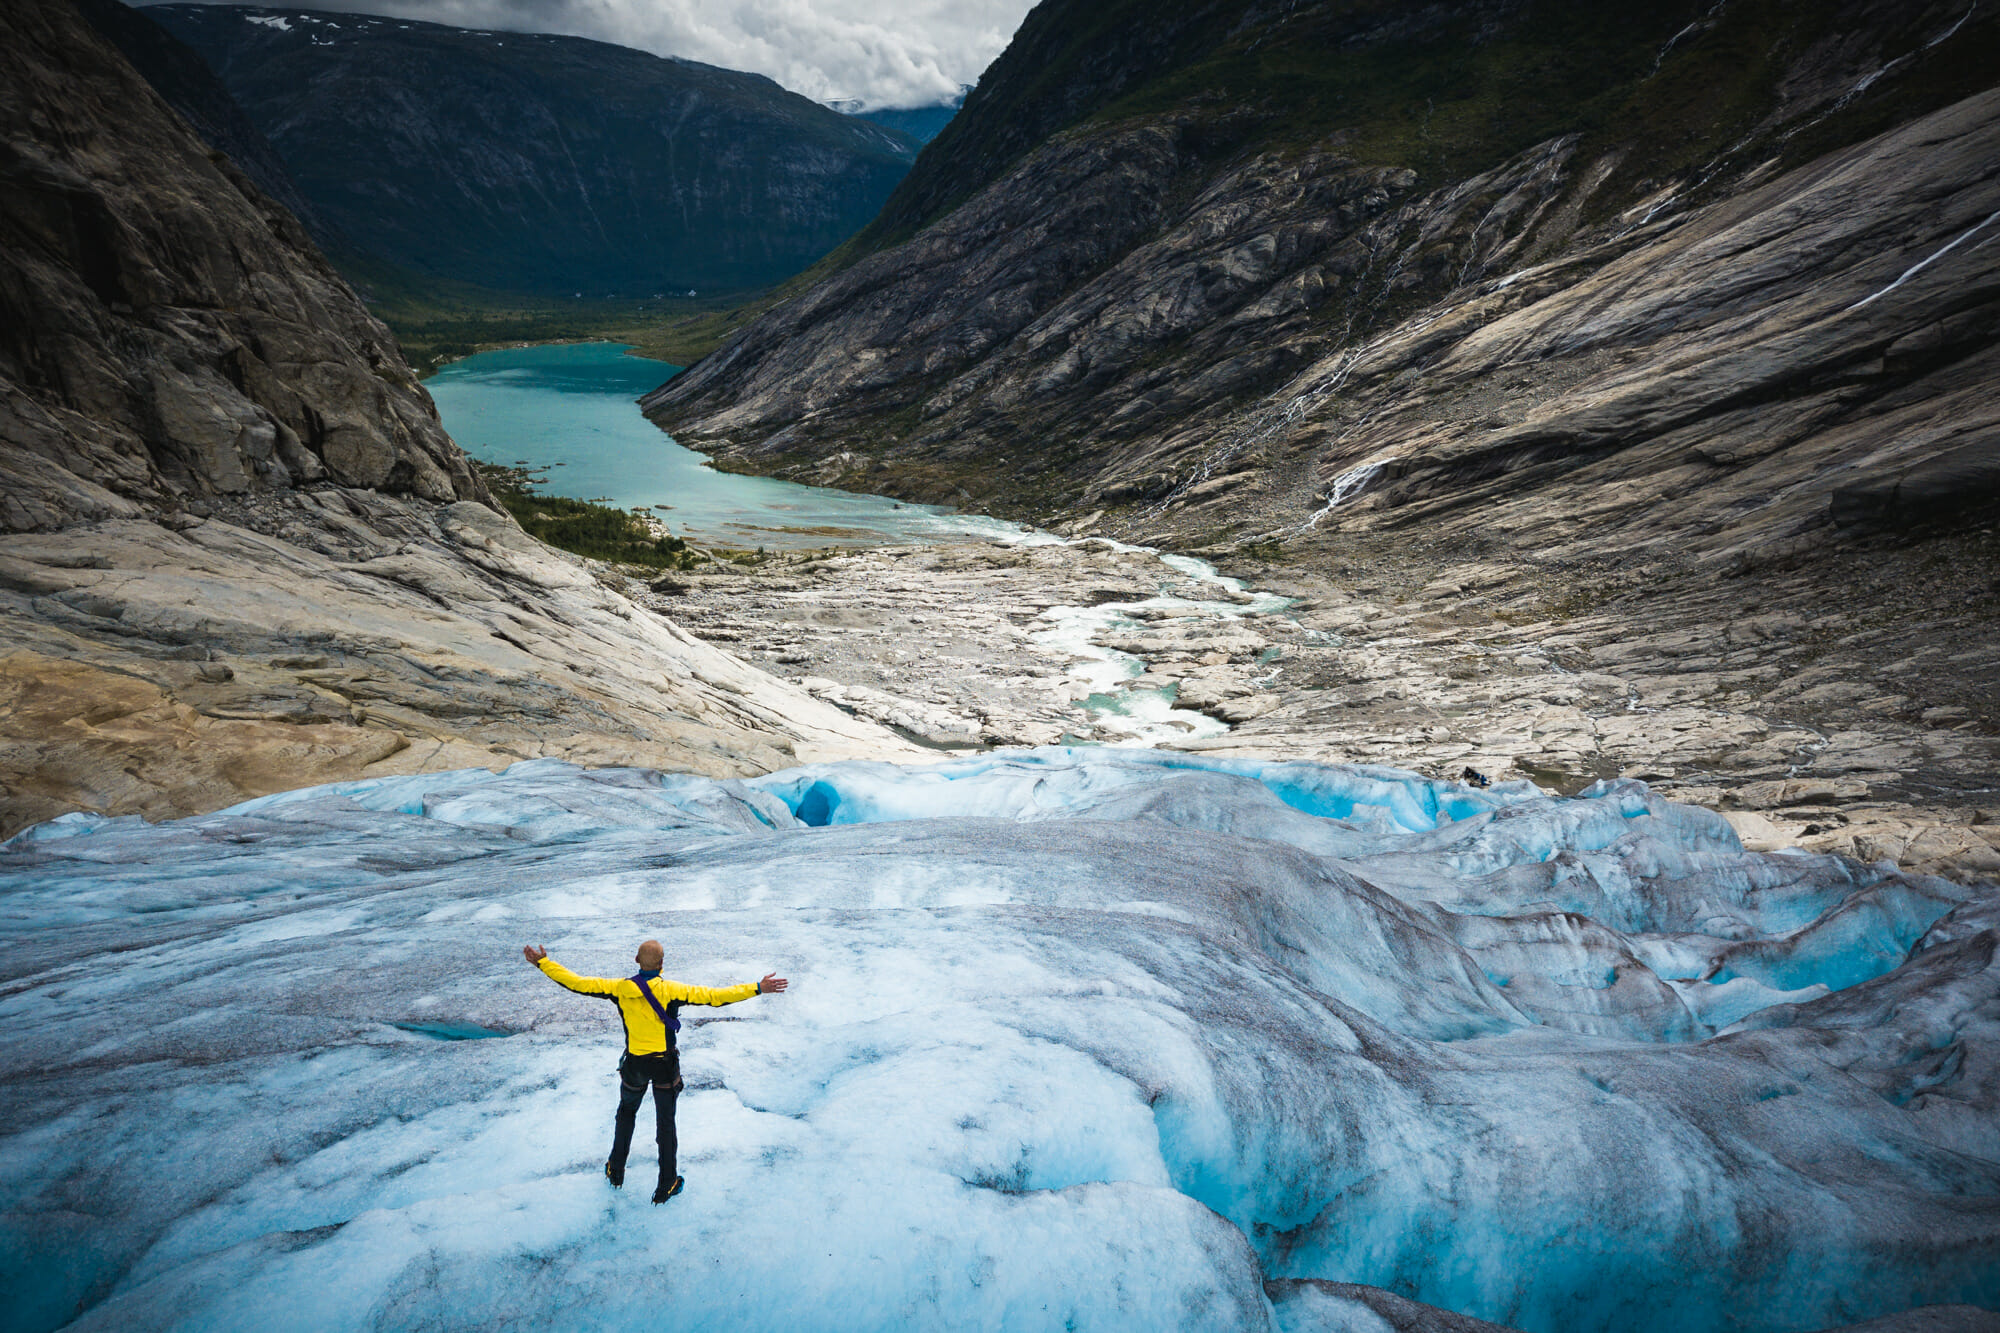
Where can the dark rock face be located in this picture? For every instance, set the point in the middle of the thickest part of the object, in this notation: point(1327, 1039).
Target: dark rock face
point(1066, 61)
point(184, 79)
point(167, 333)
point(1207, 324)
point(530, 162)
point(1315, 1304)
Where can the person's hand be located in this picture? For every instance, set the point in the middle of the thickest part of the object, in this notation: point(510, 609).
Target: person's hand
point(533, 953)
point(771, 984)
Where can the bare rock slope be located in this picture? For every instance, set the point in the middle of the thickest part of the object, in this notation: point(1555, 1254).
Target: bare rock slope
point(238, 552)
point(1200, 320)
point(1683, 374)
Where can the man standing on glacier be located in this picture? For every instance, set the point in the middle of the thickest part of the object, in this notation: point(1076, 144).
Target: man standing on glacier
point(649, 1006)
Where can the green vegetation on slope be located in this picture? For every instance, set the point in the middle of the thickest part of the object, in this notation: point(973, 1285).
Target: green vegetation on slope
point(598, 531)
point(1676, 86)
point(438, 321)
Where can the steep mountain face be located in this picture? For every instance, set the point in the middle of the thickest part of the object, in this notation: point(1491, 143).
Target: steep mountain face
point(530, 162)
point(190, 87)
point(171, 335)
point(237, 550)
point(1065, 62)
point(1263, 229)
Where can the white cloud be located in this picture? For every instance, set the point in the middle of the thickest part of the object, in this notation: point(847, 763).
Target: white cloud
point(885, 52)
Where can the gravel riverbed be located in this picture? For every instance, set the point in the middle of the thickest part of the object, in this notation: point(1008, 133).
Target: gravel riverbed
point(983, 645)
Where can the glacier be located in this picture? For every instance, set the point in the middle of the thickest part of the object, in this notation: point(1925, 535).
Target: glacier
point(1082, 1038)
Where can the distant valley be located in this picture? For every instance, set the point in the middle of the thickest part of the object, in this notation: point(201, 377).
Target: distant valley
point(922, 123)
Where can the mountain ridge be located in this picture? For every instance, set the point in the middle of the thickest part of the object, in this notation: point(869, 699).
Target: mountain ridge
point(178, 74)
point(1599, 401)
point(1123, 201)
point(533, 162)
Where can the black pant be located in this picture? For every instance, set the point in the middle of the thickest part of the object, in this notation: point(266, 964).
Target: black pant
point(663, 1072)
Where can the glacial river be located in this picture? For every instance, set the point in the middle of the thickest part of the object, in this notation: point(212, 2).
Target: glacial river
point(572, 408)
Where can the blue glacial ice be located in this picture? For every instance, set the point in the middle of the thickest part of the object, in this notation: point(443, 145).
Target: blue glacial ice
point(1100, 1039)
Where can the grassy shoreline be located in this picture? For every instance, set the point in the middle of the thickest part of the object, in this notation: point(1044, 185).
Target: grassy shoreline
point(600, 531)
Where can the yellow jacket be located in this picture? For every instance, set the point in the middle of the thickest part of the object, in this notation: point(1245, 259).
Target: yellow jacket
point(644, 1033)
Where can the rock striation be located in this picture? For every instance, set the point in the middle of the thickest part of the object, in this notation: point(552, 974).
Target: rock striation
point(238, 552)
point(532, 162)
point(184, 79)
point(171, 335)
point(1200, 324)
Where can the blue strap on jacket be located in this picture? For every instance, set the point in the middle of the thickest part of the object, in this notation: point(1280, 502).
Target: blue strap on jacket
point(673, 1024)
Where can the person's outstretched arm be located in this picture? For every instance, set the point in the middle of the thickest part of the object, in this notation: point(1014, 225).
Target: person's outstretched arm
point(565, 978)
point(721, 995)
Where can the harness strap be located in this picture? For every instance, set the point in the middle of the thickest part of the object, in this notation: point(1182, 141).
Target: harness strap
point(673, 1024)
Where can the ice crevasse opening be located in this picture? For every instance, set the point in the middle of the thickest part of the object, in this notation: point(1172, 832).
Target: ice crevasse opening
point(1078, 1038)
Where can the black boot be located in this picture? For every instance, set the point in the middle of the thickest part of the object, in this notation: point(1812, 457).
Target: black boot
point(667, 1189)
point(615, 1173)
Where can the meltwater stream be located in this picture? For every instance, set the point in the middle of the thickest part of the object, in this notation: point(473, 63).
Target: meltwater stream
point(1136, 715)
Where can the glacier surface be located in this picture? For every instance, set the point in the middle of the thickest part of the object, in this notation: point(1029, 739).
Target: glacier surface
point(1077, 1038)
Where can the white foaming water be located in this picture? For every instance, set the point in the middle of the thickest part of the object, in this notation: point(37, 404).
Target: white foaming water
point(1140, 717)
point(1347, 484)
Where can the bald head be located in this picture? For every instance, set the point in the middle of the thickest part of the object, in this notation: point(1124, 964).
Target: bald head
point(650, 956)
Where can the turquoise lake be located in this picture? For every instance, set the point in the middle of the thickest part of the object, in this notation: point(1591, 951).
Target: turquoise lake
point(572, 408)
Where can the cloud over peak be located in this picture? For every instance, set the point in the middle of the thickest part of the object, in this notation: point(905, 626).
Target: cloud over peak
point(883, 52)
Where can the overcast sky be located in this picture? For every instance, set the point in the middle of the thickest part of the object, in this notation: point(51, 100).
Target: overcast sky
point(885, 52)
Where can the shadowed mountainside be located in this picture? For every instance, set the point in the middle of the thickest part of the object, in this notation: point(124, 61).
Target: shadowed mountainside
point(190, 87)
point(530, 162)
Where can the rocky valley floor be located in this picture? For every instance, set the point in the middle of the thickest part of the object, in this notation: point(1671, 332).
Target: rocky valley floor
point(1775, 696)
